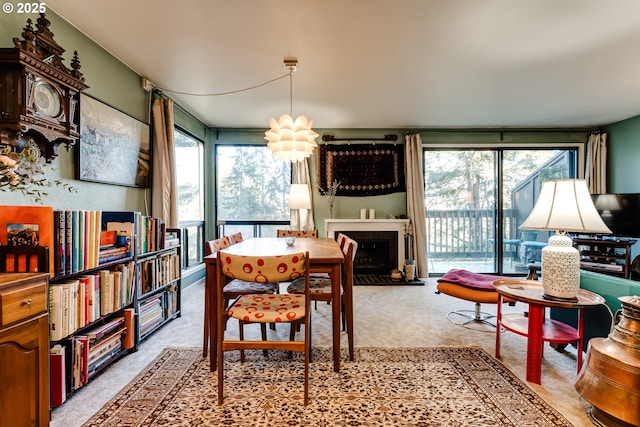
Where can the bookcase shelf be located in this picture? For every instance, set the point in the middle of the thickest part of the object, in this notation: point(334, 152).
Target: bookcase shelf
point(114, 279)
point(116, 328)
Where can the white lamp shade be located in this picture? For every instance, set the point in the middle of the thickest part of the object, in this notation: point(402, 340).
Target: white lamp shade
point(299, 197)
point(565, 205)
point(291, 140)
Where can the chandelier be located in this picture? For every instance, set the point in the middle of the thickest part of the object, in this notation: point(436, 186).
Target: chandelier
point(290, 139)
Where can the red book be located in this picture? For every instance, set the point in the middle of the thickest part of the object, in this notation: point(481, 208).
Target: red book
point(58, 378)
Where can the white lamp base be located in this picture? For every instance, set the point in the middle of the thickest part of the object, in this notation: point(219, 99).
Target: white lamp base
point(560, 268)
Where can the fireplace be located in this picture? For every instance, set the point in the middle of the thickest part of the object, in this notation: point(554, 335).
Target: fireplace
point(380, 242)
point(377, 251)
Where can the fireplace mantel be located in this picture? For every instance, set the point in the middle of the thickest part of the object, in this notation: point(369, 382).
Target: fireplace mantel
point(332, 226)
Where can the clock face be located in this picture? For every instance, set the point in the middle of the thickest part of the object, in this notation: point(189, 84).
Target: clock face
point(47, 99)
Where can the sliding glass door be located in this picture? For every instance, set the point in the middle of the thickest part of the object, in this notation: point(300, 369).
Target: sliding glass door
point(476, 200)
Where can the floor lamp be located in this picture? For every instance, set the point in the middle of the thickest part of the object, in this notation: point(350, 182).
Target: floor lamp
point(299, 198)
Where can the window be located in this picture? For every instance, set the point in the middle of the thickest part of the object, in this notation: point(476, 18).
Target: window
point(476, 200)
point(190, 179)
point(252, 190)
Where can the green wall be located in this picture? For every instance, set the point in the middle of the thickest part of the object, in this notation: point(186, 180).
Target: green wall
point(113, 83)
point(623, 156)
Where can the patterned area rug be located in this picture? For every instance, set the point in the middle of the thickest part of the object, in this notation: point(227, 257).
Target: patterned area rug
point(439, 386)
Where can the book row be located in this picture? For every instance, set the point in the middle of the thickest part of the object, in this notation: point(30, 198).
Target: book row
point(75, 360)
point(76, 303)
point(80, 240)
point(158, 272)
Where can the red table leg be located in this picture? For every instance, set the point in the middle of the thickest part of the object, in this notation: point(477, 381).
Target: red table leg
point(534, 343)
point(498, 325)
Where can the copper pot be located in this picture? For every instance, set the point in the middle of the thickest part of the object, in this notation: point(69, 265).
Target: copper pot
point(610, 377)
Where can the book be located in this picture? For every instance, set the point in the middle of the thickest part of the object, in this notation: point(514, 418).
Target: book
point(129, 322)
point(99, 332)
point(56, 311)
point(75, 241)
point(58, 387)
point(59, 242)
point(42, 216)
point(69, 240)
point(106, 292)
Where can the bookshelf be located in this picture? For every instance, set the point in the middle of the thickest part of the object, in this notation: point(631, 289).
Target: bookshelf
point(114, 279)
point(158, 286)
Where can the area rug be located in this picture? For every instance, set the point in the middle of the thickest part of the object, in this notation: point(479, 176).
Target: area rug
point(382, 280)
point(439, 386)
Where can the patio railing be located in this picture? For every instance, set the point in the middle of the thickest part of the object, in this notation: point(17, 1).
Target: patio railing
point(466, 233)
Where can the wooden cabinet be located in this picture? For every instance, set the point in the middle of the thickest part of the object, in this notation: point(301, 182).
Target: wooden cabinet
point(605, 256)
point(24, 349)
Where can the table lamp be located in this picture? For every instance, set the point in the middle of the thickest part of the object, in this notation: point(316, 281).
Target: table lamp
point(564, 205)
point(299, 197)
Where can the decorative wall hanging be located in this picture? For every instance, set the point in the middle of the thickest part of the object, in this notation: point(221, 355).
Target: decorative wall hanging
point(362, 169)
point(114, 147)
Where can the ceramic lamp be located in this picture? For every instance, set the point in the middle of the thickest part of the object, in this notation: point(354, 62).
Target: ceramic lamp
point(563, 205)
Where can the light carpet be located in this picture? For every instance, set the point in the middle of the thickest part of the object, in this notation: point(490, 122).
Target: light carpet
point(428, 386)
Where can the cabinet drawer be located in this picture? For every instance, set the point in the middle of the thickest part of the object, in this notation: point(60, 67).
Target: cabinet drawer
point(21, 303)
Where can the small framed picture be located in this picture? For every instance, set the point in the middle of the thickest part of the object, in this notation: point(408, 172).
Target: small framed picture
point(23, 234)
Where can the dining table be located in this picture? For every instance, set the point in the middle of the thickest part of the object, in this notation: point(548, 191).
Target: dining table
point(325, 256)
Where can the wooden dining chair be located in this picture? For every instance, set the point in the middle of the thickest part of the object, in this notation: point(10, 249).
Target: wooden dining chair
point(297, 233)
point(233, 288)
point(320, 290)
point(24, 259)
point(264, 308)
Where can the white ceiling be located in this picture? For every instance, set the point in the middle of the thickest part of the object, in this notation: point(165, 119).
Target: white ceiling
point(381, 63)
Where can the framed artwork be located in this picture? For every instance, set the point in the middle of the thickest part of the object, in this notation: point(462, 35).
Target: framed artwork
point(114, 148)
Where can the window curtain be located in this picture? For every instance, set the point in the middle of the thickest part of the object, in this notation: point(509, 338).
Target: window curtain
point(415, 200)
point(164, 196)
point(596, 167)
point(302, 219)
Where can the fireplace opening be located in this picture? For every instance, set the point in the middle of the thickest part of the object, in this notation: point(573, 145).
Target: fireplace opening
point(377, 251)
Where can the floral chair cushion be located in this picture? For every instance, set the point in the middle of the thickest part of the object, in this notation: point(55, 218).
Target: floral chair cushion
point(268, 308)
point(298, 233)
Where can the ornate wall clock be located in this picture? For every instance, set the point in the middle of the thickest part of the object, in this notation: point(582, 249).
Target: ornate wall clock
point(39, 95)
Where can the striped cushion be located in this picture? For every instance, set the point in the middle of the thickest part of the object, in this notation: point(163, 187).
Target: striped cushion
point(268, 308)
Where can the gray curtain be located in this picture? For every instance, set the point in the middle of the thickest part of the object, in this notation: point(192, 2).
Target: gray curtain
point(302, 219)
point(164, 196)
point(415, 200)
point(595, 172)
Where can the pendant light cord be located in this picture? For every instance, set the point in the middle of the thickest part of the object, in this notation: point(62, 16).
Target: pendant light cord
point(238, 90)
